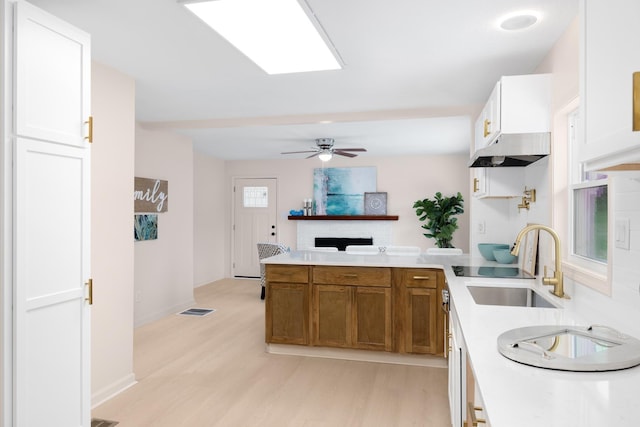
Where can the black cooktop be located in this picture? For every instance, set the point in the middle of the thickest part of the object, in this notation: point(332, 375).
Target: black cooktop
point(493, 271)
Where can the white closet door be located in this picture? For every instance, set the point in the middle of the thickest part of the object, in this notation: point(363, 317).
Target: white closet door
point(51, 222)
point(53, 63)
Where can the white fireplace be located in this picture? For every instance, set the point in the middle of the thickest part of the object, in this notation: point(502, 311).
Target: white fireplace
point(380, 231)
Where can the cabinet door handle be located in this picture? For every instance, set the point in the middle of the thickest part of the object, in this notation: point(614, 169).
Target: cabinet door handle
point(636, 101)
point(89, 284)
point(487, 127)
point(476, 185)
point(89, 124)
point(350, 275)
point(421, 278)
point(472, 412)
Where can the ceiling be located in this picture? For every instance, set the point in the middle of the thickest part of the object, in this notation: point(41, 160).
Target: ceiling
point(416, 71)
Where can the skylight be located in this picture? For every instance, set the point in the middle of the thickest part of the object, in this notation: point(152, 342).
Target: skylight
point(278, 35)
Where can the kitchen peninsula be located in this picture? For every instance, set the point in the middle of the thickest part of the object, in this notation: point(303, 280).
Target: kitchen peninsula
point(510, 393)
point(372, 302)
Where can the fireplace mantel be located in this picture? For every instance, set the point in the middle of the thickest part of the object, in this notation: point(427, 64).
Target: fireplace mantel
point(345, 218)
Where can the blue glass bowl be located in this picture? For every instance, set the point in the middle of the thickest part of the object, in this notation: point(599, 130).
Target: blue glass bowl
point(503, 256)
point(486, 249)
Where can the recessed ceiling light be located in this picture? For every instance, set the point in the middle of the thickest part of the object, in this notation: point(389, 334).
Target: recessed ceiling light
point(280, 36)
point(519, 20)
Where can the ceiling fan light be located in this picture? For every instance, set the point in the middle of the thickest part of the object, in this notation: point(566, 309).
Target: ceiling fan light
point(325, 156)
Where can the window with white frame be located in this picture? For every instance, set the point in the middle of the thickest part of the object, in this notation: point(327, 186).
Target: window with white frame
point(255, 197)
point(588, 203)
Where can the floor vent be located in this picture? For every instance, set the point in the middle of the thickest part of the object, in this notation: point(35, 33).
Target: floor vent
point(197, 312)
point(97, 422)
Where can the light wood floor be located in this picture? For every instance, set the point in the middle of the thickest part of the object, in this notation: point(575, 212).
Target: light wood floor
point(213, 371)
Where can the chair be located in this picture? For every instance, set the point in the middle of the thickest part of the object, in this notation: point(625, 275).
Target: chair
point(266, 250)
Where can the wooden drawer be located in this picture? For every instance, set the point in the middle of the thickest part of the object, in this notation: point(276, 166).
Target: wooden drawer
point(287, 273)
point(354, 276)
point(420, 278)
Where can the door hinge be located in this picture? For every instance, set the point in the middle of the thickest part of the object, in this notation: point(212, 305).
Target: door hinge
point(89, 124)
point(89, 297)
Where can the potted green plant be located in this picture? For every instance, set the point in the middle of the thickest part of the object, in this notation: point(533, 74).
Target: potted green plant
point(440, 214)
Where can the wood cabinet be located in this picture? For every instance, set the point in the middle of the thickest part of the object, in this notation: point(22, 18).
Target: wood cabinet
point(610, 34)
point(287, 304)
point(372, 308)
point(351, 307)
point(420, 323)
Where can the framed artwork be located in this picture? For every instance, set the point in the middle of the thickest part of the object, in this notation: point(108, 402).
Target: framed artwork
point(150, 195)
point(375, 203)
point(340, 191)
point(145, 227)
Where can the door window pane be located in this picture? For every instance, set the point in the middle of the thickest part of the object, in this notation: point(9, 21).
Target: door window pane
point(255, 197)
point(590, 222)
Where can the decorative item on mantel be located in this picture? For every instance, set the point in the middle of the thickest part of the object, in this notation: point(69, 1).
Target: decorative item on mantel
point(440, 212)
point(340, 191)
point(375, 203)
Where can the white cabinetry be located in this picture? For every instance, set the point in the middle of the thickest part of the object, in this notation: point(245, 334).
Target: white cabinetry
point(498, 182)
point(457, 372)
point(610, 34)
point(488, 123)
point(476, 412)
point(518, 104)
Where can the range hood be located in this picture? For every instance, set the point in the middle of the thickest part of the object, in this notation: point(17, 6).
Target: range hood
point(511, 150)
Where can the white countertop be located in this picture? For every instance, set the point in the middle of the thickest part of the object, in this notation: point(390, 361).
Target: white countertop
point(514, 395)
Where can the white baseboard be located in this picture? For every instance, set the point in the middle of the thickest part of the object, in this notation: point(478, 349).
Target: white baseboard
point(113, 389)
point(359, 355)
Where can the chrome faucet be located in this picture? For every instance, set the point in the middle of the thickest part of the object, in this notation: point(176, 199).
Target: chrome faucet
point(555, 281)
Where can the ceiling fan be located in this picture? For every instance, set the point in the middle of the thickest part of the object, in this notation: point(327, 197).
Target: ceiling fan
point(325, 151)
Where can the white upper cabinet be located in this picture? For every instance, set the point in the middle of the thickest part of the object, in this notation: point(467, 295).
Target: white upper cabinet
point(518, 104)
point(609, 57)
point(498, 182)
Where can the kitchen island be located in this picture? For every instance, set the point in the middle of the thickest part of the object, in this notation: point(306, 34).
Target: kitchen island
point(367, 302)
point(512, 394)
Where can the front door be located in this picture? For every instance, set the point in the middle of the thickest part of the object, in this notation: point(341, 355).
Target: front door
point(255, 217)
point(51, 244)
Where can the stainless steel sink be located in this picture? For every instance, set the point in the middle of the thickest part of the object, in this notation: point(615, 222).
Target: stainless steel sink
point(514, 297)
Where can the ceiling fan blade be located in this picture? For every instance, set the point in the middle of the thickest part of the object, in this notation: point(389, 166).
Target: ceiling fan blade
point(298, 152)
point(351, 149)
point(344, 153)
point(313, 155)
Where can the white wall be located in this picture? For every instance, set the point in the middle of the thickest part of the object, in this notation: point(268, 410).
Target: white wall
point(164, 267)
point(112, 162)
point(210, 205)
point(405, 179)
